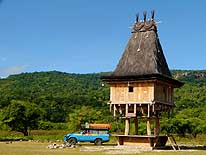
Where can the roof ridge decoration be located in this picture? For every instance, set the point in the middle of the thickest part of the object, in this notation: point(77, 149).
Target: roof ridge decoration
point(149, 25)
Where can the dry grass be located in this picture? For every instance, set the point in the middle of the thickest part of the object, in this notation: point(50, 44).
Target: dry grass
point(37, 148)
point(40, 148)
point(189, 140)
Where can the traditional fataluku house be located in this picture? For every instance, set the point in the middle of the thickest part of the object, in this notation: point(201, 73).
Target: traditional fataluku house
point(141, 87)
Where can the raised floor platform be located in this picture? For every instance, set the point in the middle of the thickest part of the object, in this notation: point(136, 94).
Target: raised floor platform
point(150, 141)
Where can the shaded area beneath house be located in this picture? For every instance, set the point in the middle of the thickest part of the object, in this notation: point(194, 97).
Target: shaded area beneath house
point(144, 140)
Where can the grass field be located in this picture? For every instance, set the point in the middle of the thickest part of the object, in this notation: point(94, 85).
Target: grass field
point(38, 148)
point(54, 135)
point(41, 139)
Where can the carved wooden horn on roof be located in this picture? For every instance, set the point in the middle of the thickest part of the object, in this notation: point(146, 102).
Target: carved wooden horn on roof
point(137, 17)
point(145, 15)
point(152, 14)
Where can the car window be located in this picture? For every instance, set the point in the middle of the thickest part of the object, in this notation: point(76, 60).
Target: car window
point(103, 132)
point(94, 131)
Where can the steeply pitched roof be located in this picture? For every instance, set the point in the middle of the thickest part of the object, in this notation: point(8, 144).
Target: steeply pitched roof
point(143, 58)
point(143, 54)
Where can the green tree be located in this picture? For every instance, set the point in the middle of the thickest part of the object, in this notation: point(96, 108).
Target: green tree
point(187, 121)
point(21, 116)
point(85, 114)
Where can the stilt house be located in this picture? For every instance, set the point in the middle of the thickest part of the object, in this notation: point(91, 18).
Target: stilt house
point(142, 87)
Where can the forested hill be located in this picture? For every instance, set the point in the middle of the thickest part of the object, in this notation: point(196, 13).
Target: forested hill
point(54, 87)
point(46, 85)
point(193, 93)
point(61, 97)
point(55, 93)
point(190, 76)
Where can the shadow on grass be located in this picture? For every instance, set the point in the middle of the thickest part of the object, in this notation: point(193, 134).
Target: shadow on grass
point(92, 144)
point(183, 147)
point(198, 147)
point(3, 139)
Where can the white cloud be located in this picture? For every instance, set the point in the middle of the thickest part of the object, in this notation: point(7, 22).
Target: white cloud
point(4, 72)
point(3, 58)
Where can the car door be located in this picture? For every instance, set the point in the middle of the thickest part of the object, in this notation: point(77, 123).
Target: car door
point(85, 136)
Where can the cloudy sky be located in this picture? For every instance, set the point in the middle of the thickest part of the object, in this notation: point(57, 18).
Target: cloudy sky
point(87, 36)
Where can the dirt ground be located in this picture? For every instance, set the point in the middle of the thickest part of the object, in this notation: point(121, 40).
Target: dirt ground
point(115, 149)
point(122, 149)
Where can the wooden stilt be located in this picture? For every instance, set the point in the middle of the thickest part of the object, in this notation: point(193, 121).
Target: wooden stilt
point(114, 113)
point(127, 126)
point(156, 126)
point(148, 111)
point(148, 127)
point(135, 109)
point(136, 125)
point(127, 108)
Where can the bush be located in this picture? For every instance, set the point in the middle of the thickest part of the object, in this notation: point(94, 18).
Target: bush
point(52, 126)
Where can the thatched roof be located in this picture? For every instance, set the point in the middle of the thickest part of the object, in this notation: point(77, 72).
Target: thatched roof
point(143, 55)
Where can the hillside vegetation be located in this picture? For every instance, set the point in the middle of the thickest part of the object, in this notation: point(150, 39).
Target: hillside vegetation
point(57, 100)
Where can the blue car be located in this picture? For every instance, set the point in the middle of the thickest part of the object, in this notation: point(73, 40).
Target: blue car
point(96, 136)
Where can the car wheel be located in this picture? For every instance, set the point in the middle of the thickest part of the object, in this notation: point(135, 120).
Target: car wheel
point(72, 141)
point(98, 141)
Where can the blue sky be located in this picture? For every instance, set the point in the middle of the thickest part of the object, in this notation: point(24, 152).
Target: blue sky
point(87, 36)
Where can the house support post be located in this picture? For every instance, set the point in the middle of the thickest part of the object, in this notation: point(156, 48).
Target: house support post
point(148, 127)
point(156, 126)
point(127, 126)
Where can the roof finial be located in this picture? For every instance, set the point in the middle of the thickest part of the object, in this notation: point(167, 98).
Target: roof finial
point(137, 17)
point(152, 14)
point(145, 15)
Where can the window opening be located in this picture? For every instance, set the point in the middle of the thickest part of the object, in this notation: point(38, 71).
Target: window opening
point(131, 89)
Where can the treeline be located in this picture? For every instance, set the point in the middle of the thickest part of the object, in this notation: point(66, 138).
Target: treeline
point(56, 100)
point(56, 95)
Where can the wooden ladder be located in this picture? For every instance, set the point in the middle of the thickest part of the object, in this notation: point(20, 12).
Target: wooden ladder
point(173, 142)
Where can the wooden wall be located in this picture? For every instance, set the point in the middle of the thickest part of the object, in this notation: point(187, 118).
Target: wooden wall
point(163, 93)
point(143, 92)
